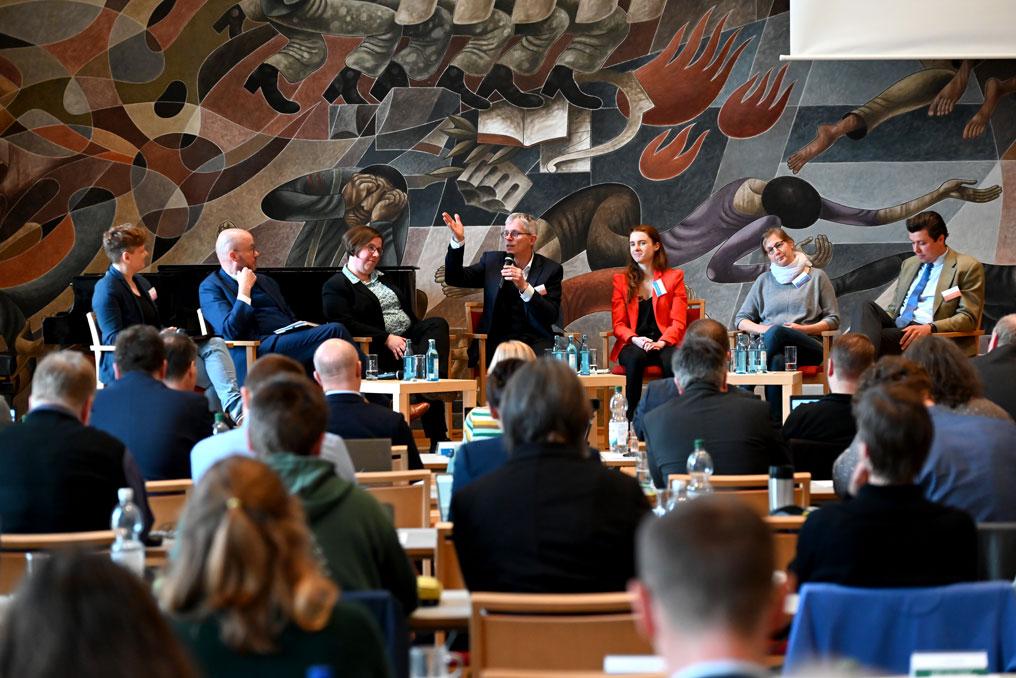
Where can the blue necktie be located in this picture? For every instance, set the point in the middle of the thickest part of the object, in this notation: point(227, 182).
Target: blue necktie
point(907, 314)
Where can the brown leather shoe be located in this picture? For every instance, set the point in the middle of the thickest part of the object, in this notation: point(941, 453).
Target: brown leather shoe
point(418, 410)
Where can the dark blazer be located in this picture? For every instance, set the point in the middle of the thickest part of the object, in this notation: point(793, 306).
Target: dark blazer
point(116, 308)
point(887, 537)
point(58, 475)
point(358, 308)
point(351, 416)
point(542, 311)
point(737, 431)
point(158, 425)
point(233, 319)
point(476, 459)
point(829, 420)
point(548, 521)
point(998, 375)
point(654, 394)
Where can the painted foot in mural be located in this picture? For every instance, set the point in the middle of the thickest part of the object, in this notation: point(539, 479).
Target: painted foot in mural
point(562, 80)
point(994, 89)
point(825, 136)
point(344, 85)
point(945, 101)
point(266, 79)
point(232, 18)
point(455, 80)
point(393, 76)
point(500, 80)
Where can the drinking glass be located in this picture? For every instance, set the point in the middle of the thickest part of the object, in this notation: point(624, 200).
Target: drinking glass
point(592, 361)
point(434, 662)
point(419, 367)
point(790, 358)
point(372, 365)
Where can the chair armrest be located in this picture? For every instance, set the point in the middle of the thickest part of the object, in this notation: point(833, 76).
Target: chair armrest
point(241, 343)
point(966, 333)
point(363, 343)
point(102, 348)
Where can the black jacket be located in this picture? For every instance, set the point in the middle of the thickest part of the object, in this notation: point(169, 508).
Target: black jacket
point(998, 375)
point(358, 309)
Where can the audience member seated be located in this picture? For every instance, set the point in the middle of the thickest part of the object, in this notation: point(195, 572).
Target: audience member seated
point(57, 474)
point(337, 369)
point(830, 420)
point(955, 385)
point(181, 363)
point(214, 448)
point(246, 593)
point(360, 298)
point(123, 298)
point(551, 520)
point(705, 594)
point(997, 367)
point(889, 535)
point(240, 305)
point(80, 614)
point(521, 289)
point(791, 305)
point(479, 422)
point(478, 458)
point(649, 309)
point(157, 424)
point(737, 431)
point(355, 536)
point(660, 391)
point(972, 463)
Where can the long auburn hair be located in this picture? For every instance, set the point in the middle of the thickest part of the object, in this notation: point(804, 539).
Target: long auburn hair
point(633, 271)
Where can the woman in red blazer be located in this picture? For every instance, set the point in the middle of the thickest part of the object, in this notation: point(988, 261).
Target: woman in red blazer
point(648, 308)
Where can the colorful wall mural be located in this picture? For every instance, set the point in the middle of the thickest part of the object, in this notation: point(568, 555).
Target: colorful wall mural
point(299, 118)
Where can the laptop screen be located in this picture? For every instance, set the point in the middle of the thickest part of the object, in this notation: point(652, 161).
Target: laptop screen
point(798, 400)
point(444, 494)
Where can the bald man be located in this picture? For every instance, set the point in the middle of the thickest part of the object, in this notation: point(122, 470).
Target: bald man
point(242, 305)
point(337, 368)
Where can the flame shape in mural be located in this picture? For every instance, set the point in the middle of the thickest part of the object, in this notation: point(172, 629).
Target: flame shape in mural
point(660, 164)
point(680, 88)
point(744, 117)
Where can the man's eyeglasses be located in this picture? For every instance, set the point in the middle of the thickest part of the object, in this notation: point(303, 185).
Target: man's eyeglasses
point(776, 246)
point(513, 235)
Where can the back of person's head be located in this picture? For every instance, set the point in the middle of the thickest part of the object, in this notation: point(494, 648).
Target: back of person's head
point(498, 379)
point(1005, 330)
point(710, 329)
point(699, 359)
point(852, 353)
point(544, 403)
point(139, 348)
point(954, 381)
point(895, 427)
point(181, 352)
point(287, 414)
point(894, 369)
point(243, 554)
point(121, 238)
point(336, 362)
point(929, 221)
point(708, 566)
point(80, 614)
point(64, 377)
point(269, 366)
point(511, 349)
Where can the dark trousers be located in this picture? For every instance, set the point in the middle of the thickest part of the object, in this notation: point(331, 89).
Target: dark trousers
point(809, 352)
point(538, 344)
point(635, 361)
point(301, 344)
point(872, 321)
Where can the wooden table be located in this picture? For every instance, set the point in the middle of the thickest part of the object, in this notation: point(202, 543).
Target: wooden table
point(435, 462)
point(601, 386)
point(418, 542)
point(822, 492)
point(400, 391)
point(615, 460)
point(452, 613)
point(790, 382)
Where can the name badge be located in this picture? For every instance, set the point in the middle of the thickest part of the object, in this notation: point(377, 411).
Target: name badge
point(951, 293)
point(801, 280)
point(659, 288)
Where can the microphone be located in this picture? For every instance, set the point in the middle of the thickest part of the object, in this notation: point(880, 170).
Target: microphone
point(509, 260)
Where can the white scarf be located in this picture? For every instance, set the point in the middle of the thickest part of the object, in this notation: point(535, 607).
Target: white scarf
point(786, 274)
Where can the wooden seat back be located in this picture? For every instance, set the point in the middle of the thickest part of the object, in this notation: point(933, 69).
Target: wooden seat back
point(407, 492)
point(14, 550)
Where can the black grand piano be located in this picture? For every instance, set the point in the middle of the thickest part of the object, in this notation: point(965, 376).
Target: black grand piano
point(177, 285)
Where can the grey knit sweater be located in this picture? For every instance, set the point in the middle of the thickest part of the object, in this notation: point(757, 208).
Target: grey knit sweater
point(770, 303)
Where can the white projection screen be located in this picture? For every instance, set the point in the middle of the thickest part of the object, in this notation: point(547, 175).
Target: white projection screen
point(901, 29)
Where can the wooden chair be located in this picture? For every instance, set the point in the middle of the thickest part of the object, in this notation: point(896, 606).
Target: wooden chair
point(400, 457)
point(551, 632)
point(14, 549)
point(97, 347)
point(754, 489)
point(696, 310)
point(167, 498)
point(446, 563)
point(785, 529)
point(250, 347)
point(474, 311)
point(407, 492)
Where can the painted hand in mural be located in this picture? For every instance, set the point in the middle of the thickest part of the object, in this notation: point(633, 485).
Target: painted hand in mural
point(371, 198)
point(960, 190)
point(823, 250)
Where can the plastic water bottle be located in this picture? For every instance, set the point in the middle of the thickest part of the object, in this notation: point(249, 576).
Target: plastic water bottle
point(584, 356)
point(559, 350)
point(408, 368)
point(642, 473)
point(617, 429)
point(763, 359)
point(753, 354)
point(573, 354)
point(700, 467)
point(128, 550)
point(433, 362)
point(741, 354)
point(219, 425)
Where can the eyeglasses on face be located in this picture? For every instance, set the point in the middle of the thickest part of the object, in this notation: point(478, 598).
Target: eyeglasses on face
point(371, 249)
point(778, 245)
point(513, 235)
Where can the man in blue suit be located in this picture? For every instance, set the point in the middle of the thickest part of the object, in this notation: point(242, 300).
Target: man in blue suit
point(521, 289)
point(240, 305)
point(158, 425)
